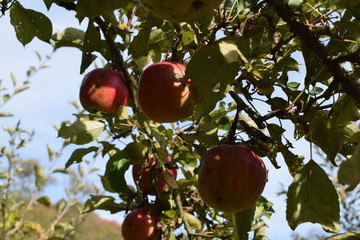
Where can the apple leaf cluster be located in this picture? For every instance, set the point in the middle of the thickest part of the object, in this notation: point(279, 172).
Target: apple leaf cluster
point(241, 56)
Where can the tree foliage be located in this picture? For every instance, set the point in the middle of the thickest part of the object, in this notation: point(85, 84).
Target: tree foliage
point(240, 57)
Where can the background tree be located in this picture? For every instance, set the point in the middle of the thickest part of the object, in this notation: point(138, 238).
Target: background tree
point(239, 58)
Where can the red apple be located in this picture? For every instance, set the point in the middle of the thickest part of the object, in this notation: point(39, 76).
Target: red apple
point(231, 178)
point(143, 175)
point(103, 90)
point(164, 94)
point(139, 224)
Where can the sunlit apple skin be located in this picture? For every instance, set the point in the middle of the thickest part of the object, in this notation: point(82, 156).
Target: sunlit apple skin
point(142, 174)
point(164, 94)
point(231, 178)
point(103, 90)
point(139, 224)
point(180, 10)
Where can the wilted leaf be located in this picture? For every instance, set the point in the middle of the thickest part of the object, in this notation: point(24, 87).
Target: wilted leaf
point(349, 170)
point(194, 222)
point(40, 178)
point(2, 114)
point(306, 195)
point(81, 132)
point(51, 152)
point(169, 179)
point(29, 24)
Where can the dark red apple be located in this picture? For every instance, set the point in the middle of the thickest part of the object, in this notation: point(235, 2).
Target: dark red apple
point(103, 90)
point(139, 224)
point(164, 94)
point(143, 175)
point(231, 178)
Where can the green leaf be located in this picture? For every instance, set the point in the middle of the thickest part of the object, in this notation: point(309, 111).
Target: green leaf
point(295, 3)
point(81, 132)
point(263, 208)
point(86, 60)
point(70, 37)
point(29, 24)
point(293, 86)
point(78, 154)
point(306, 196)
point(44, 200)
point(5, 98)
point(349, 170)
point(344, 236)
point(116, 176)
point(326, 135)
point(93, 8)
point(194, 222)
point(102, 202)
point(315, 69)
point(212, 70)
point(137, 47)
point(345, 110)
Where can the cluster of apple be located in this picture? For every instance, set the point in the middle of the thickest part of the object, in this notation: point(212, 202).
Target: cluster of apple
point(230, 177)
point(141, 223)
point(161, 84)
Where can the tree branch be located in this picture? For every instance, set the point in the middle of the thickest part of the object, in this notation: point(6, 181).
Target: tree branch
point(352, 86)
point(117, 59)
point(255, 116)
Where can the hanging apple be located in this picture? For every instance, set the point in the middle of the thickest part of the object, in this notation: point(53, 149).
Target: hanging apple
point(231, 178)
point(181, 10)
point(103, 90)
point(139, 224)
point(164, 94)
point(143, 175)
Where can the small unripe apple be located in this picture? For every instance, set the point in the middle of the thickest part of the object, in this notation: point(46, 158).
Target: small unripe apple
point(181, 10)
point(231, 178)
point(143, 175)
point(164, 95)
point(139, 224)
point(103, 90)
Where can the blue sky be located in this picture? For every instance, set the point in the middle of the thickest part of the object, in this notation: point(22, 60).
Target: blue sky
point(47, 103)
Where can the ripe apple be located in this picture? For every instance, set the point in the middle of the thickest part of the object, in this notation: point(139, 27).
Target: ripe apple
point(164, 94)
point(181, 10)
point(103, 90)
point(143, 175)
point(139, 224)
point(231, 178)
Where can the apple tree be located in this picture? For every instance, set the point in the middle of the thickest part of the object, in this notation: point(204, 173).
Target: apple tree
point(230, 65)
